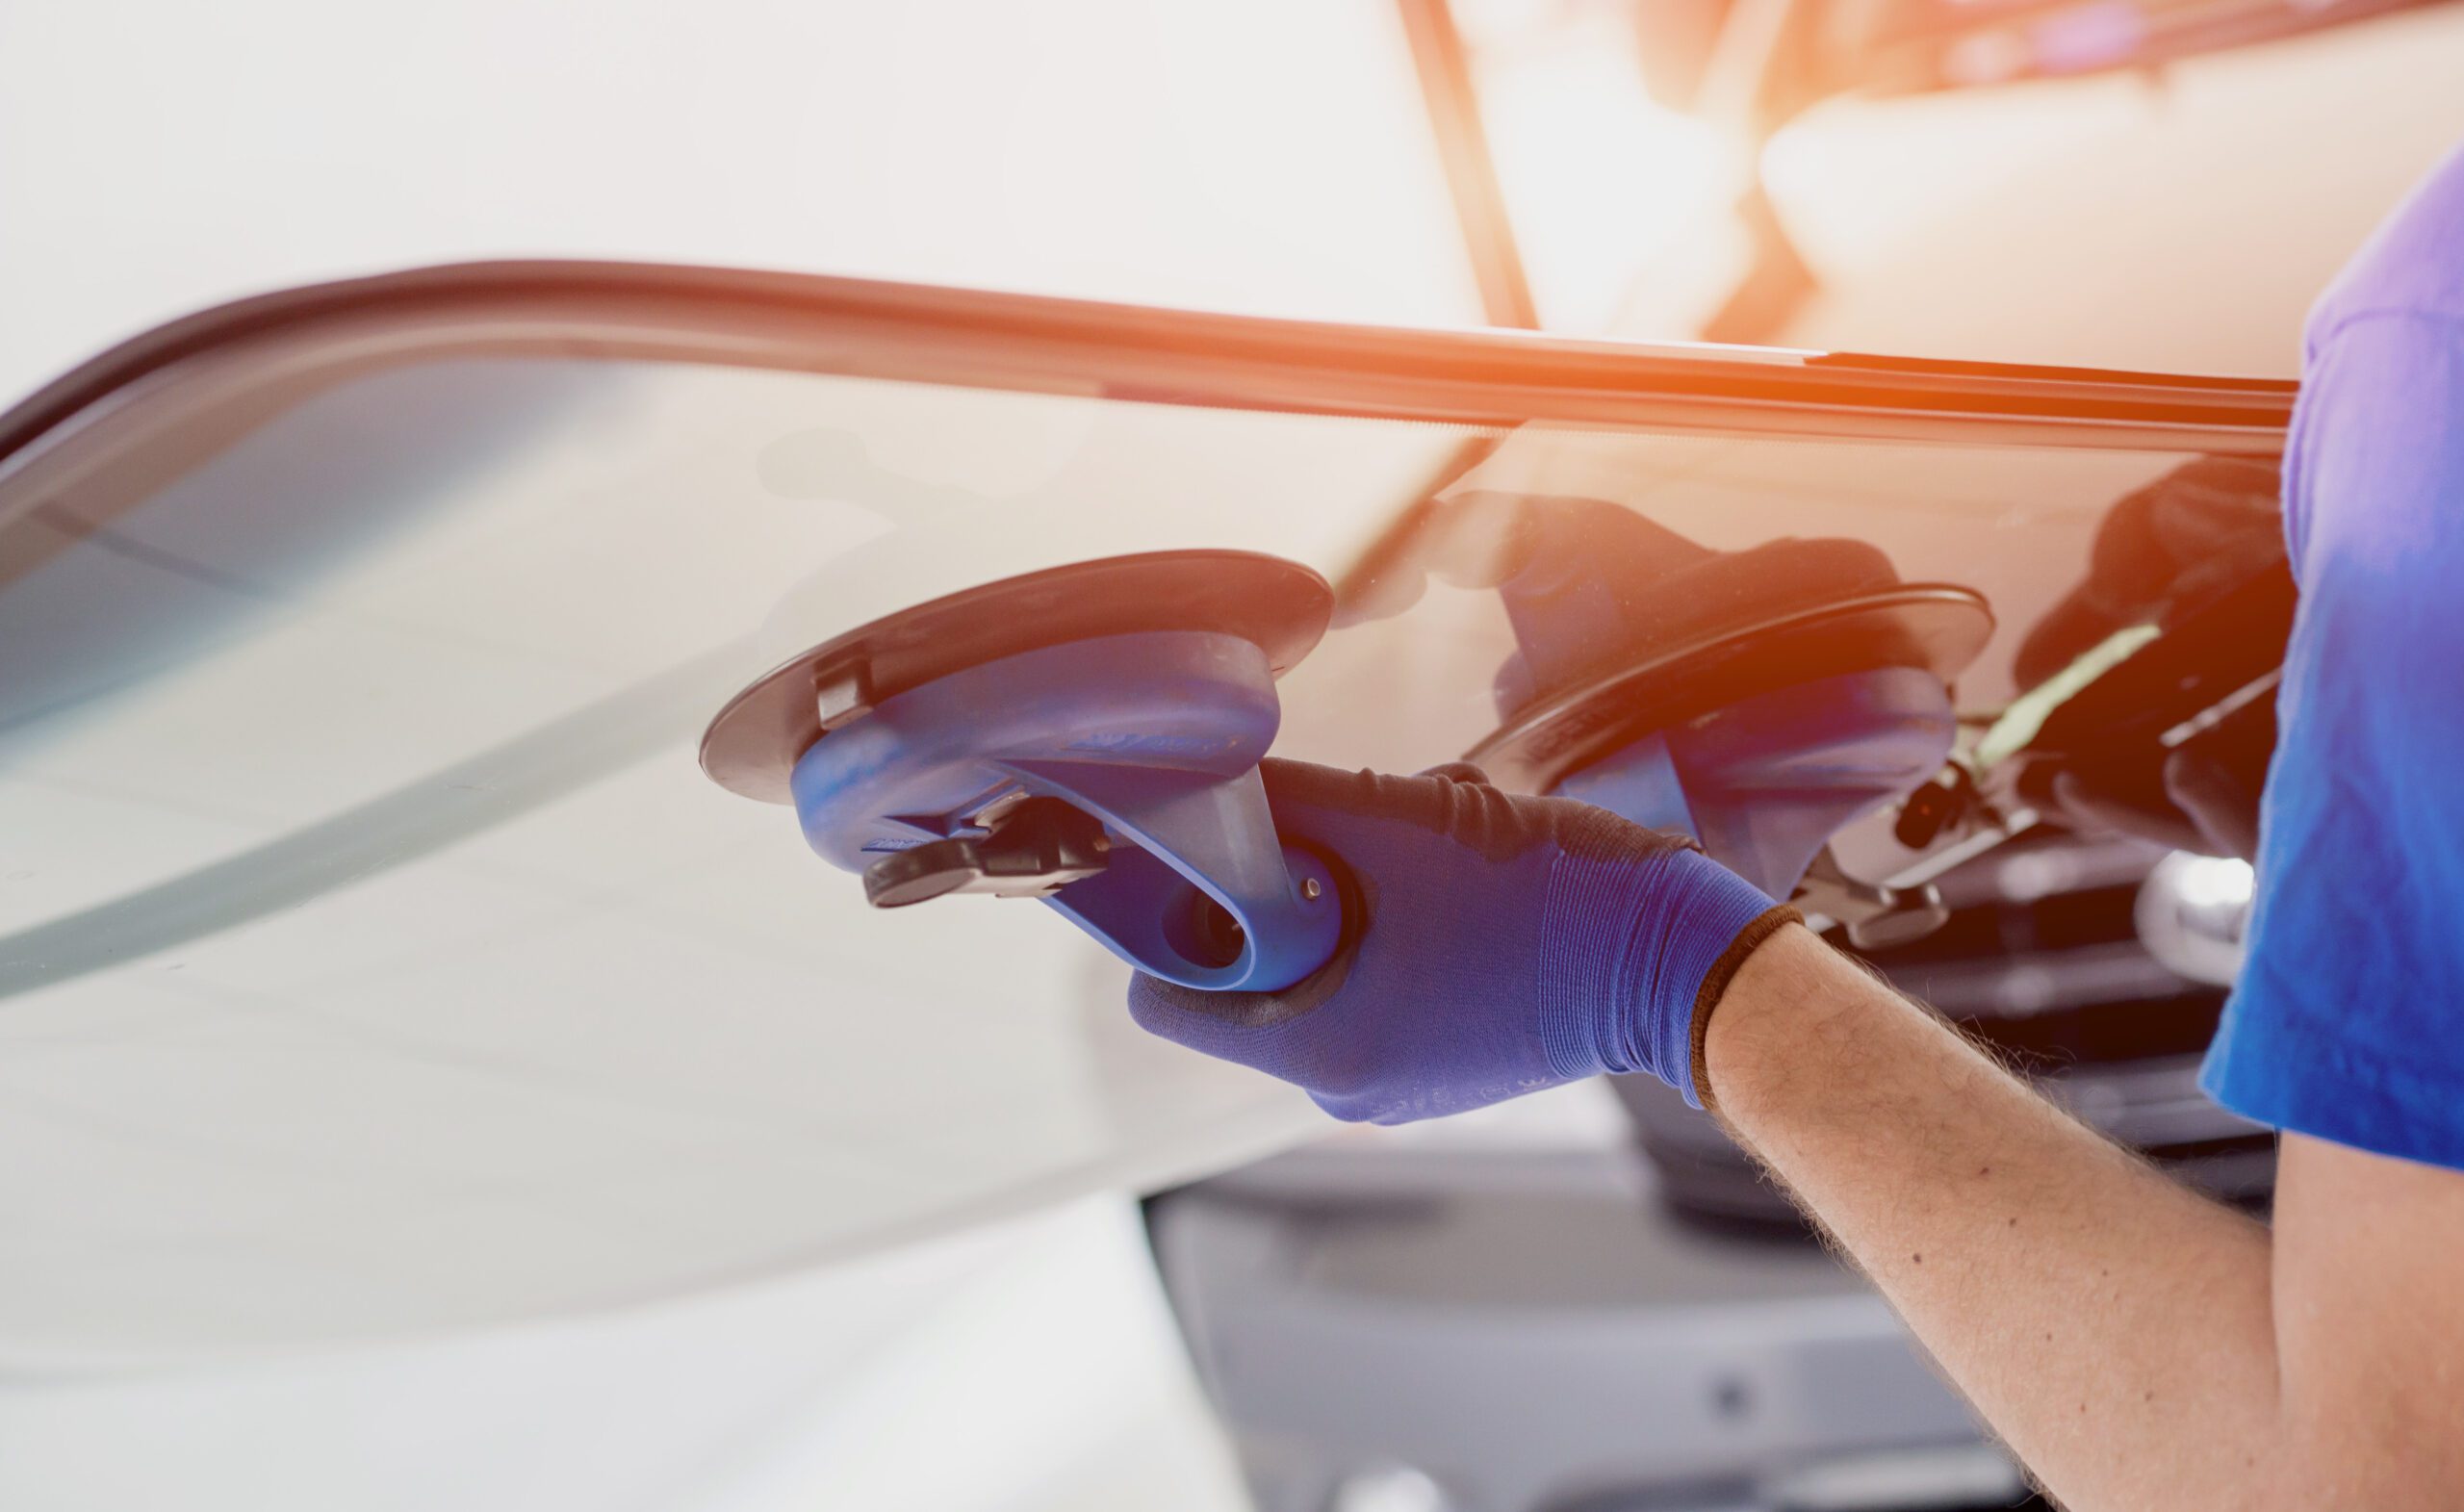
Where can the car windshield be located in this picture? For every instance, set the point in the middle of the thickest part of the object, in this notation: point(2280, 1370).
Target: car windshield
point(365, 919)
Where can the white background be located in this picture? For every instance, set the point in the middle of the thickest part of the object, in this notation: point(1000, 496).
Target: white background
point(158, 158)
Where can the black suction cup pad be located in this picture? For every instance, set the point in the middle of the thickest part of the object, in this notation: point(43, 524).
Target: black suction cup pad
point(1933, 627)
point(1278, 605)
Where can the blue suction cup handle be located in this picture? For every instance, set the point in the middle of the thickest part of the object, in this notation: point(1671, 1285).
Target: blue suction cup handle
point(1156, 734)
point(1211, 897)
point(1764, 783)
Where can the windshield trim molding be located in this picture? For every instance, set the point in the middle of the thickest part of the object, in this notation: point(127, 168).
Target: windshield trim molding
point(263, 353)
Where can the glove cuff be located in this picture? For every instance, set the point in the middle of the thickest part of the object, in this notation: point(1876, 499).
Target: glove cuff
point(1628, 946)
point(1715, 985)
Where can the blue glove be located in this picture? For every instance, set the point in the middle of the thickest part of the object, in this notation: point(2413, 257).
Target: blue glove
point(1493, 945)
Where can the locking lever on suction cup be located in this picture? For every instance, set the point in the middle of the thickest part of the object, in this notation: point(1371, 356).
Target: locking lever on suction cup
point(1874, 916)
point(1038, 848)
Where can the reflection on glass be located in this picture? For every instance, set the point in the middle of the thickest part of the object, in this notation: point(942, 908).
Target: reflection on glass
point(359, 873)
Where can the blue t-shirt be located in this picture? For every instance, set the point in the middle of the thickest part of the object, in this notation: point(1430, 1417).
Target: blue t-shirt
point(2348, 1019)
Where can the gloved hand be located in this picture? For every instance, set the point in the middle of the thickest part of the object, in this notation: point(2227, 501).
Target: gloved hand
point(2164, 554)
point(2208, 788)
point(1493, 945)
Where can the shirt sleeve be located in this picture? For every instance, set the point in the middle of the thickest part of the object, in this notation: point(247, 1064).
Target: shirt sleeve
point(2348, 1022)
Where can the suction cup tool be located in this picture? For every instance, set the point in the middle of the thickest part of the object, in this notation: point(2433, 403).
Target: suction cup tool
point(1088, 736)
point(1279, 607)
point(1930, 628)
point(1759, 700)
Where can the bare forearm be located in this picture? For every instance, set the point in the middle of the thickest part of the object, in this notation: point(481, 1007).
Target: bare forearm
point(2116, 1328)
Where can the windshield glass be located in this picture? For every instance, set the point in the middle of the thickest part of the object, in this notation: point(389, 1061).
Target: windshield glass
point(376, 955)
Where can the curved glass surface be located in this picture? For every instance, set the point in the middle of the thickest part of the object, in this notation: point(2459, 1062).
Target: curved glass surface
point(374, 958)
